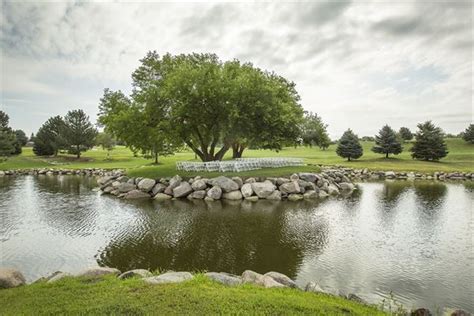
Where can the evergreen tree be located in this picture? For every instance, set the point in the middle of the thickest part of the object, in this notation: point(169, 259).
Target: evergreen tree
point(349, 146)
point(21, 137)
point(7, 137)
point(405, 134)
point(429, 143)
point(50, 137)
point(468, 134)
point(79, 133)
point(386, 142)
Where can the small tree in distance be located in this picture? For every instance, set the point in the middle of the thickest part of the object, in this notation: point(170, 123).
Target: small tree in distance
point(386, 142)
point(349, 146)
point(106, 141)
point(468, 134)
point(429, 144)
point(79, 132)
point(405, 134)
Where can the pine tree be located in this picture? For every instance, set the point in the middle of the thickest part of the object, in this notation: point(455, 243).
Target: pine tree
point(79, 132)
point(50, 137)
point(405, 134)
point(349, 146)
point(7, 137)
point(386, 142)
point(468, 134)
point(429, 143)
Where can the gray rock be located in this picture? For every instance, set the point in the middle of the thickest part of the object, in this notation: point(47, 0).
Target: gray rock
point(135, 273)
point(108, 190)
point(290, 187)
point(250, 180)
point(146, 184)
point(116, 184)
point(333, 190)
point(215, 193)
point(123, 179)
point(390, 174)
point(97, 272)
point(169, 277)
point(355, 298)
point(226, 184)
point(280, 181)
point(263, 189)
point(294, 177)
point(126, 187)
point(58, 276)
point(269, 282)
point(252, 198)
point(10, 278)
point(310, 177)
point(182, 190)
point(346, 186)
point(246, 190)
point(249, 276)
point(162, 197)
point(234, 195)
point(208, 199)
point(313, 287)
point(199, 185)
point(198, 194)
point(323, 194)
point(174, 182)
point(158, 188)
point(275, 196)
point(238, 180)
point(136, 194)
point(224, 278)
point(295, 197)
point(310, 194)
point(281, 278)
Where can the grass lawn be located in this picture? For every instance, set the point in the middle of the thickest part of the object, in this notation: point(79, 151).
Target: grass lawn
point(460, 158)
point(199, 296)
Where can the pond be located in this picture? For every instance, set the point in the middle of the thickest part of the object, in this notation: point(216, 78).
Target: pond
point(414, 239)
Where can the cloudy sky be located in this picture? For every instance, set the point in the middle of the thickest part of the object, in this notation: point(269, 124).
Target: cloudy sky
point(358, 65)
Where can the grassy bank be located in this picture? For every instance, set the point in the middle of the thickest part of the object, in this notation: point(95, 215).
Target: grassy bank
point(460, 158)
point(199, 296)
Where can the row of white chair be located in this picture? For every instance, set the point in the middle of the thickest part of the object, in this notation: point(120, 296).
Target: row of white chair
point(238, 165)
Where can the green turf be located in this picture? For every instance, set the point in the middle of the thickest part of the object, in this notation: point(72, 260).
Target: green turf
point(199, 296)
point(460, 158)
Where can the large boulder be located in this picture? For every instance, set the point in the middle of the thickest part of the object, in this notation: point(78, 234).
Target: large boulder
point(310, 177)
point(290, 187)
point(310, 194)
point(169, 277)
point(158, 188)
point(281, 278)
point(126, 187)
point(162, 197)
point(136, 194)
point(263, 189)
point(215, 193)
point(199, 185)
point(234, 195)
point(275, 196)
point(182, 190)
point(11, 278)
point(146, 184)
point(58, 276)
point(224, 278)
point(333, 190)
point(174, 182)
point(346, 186)
point(226, 184)
point(246, 190)
point(249, 276)
point(97, 272)
point(238, 180)
point(200, 194)
point(269, 282)
point(142, 273)
point(313, 287)
point(295, 197)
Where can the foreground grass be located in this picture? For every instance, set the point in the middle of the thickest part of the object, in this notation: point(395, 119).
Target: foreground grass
point(199, 296)
point(460, 158)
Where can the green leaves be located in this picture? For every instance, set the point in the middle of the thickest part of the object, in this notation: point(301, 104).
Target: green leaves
point(429, 144)
point(386, 142)
point(349, 146)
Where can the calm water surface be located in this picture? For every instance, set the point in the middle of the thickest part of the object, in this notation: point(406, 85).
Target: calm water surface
point(412, 239)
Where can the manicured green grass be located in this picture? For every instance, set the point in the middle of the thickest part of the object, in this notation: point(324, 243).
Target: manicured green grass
point(460, 158)
point(199, 296)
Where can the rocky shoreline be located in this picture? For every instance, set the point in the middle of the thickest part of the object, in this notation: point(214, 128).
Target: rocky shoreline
point(297, 187)
point(11, 278)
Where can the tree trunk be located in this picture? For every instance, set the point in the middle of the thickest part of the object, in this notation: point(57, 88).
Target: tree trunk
point(78, 152)
point(348, 158)
point(237, 150)
point(156, 158)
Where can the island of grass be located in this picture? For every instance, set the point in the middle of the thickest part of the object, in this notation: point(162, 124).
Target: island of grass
point(460, 158)
point(199, 296)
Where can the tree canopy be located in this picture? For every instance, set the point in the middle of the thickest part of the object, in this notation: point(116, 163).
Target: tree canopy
point(386, 142)
point(209, 105)
point(405, 134)
point(349, 146)
point(429, 143)
point(314, 131)
point(8, 140)
point(79, 133)
point(50, 137)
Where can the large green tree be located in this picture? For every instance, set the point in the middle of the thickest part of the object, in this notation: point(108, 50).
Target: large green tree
point(429, 143)
point(386, 142)
point(79, 133)
point(314, 131)
point(468, 134)
point(50, 138)
point(106, 141)
point(8, 139)
point(349, 146)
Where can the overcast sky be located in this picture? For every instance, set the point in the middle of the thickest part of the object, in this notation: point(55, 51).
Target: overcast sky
point(358, 65)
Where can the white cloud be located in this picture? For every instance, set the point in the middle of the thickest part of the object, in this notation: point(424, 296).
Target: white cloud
point(359, 65)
